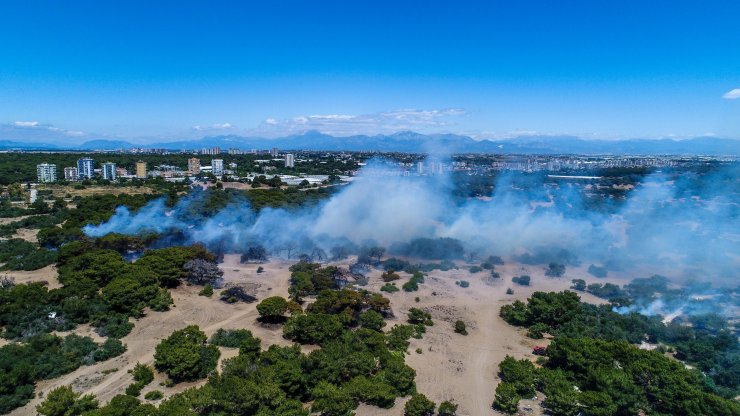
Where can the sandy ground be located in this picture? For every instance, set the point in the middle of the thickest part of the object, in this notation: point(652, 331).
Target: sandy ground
point(46, 274)
point(61, 191)
point(450, 367)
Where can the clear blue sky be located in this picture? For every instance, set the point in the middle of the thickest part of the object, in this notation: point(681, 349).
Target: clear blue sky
point(74, 70)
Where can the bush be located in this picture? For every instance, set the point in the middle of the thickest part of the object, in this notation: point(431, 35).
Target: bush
point(555, 270)
point(447, 408)
point(463, 283)
point(474, 269)
point(207, 290)
point(578, 284)
point(63, 401)
point(154, 395)
point(389, 288)
point(372, 320)
point(184, 355)
point(597, 271)
point(111, 348)
point(460, 328)
point(506, 399)
point(509, 291)
point(272, 309)
point(232, 338)
point(522, 280)
point(236, 294)
point(418, 316)
point(390, 275)
point(419, 405)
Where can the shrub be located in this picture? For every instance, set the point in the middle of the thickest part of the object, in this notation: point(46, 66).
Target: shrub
point(463, 283)
point(236, 294)
point(418, 316)
point(372, 320)
point(460, 328)
point(389, 288)
point(419, 405)
point(184, 355)
point(522, 280)
point(390, 275)
point(63, 401)
point(154, 395)
point(273, 309)
point(447, 408)
point(207, 290)
point(506, 399)
point(555, 270)
point(475, 269)
point(232, 338)
point(111, 348)
point(509, 291)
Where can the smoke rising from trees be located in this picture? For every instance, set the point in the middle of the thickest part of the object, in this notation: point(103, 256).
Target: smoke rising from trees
point(688, 225)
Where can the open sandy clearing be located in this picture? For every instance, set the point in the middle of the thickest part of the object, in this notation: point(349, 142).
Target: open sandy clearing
point(451, 366)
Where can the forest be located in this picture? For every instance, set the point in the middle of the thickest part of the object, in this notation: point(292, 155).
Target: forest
point(594, 350)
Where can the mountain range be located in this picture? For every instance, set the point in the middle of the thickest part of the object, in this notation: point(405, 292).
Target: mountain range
point(408, 141)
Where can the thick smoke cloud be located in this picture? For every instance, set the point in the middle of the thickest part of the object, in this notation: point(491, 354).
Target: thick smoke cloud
point(690, 226)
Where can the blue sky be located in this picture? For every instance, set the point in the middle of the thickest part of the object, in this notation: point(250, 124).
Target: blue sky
point(159, 70)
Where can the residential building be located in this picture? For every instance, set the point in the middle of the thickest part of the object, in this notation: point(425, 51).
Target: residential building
point(211, 151)
point(85, 168)
point(46, 172)
point(70, 173)
point(141, 170)
point(274, 152)
point(217, 166)
point(109, 171)
point(289, 161)
point(194, 166)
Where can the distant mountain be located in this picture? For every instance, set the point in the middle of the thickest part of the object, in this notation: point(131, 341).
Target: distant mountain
point(105, 145)
point(14, 145)
point(408, 141)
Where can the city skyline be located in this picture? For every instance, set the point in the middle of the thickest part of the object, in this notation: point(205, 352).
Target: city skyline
point(77, 71)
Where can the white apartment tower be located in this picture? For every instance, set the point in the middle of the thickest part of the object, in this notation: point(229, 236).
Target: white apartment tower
point(217, 167)
point(289, 161)
point(46, 172)
point(109, 171)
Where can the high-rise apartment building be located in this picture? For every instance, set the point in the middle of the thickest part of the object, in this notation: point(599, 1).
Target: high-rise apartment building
point(289, 161)
point(46, 172)
point(194, 166)
point(141, 170)
point(217, 167)
point(109, 171)
point(85, 168)
point(70, 173)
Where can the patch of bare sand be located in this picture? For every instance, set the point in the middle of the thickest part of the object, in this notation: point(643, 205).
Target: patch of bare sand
point(48, 274)
point(28, 234)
